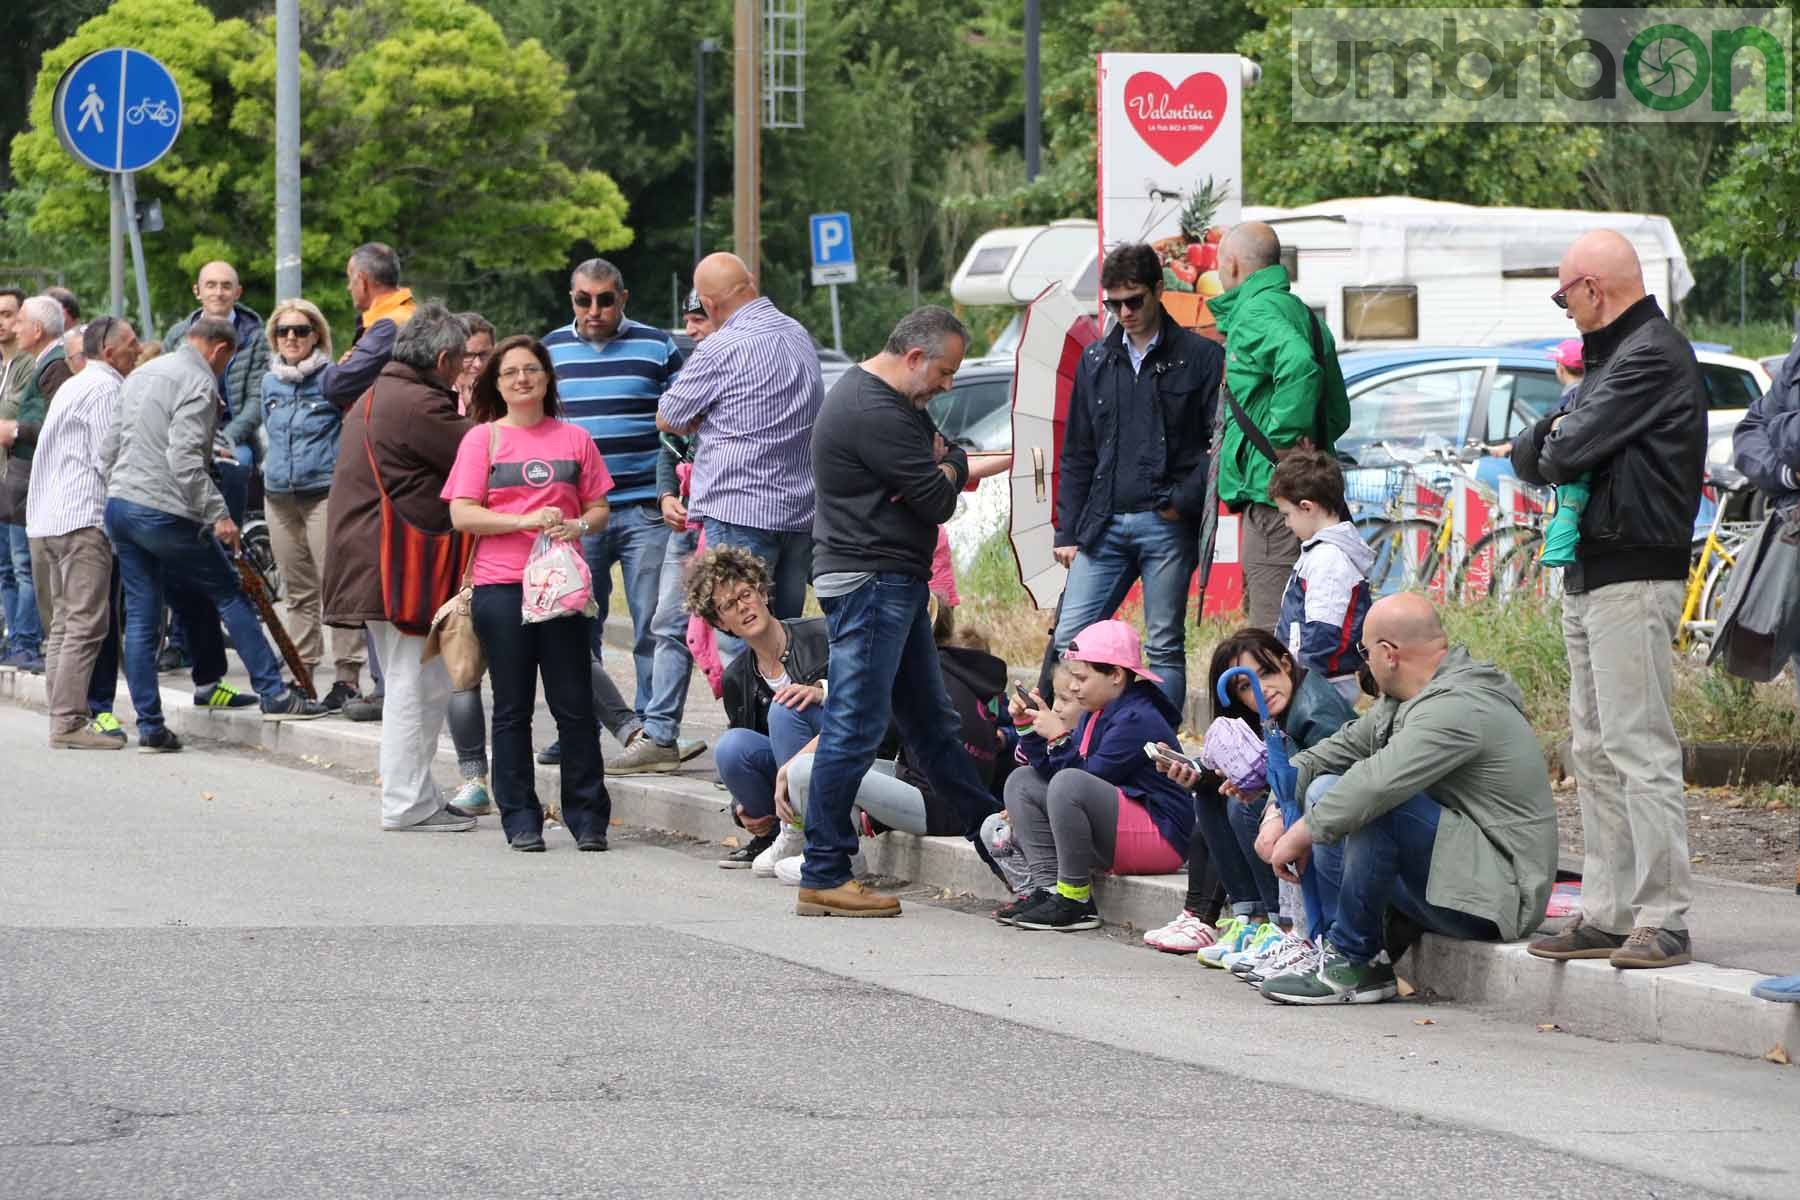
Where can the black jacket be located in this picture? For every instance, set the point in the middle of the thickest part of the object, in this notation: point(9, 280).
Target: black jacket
point(1636, 428)
point(747, 693)
point(1766, 444)
point(976, 682)
point(1180, 377)
point(880, 494)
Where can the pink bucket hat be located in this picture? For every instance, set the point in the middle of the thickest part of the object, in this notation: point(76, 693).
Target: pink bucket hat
point(1568, 353)
point(1114, 644)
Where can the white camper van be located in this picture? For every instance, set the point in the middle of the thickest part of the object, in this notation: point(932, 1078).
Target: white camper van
point(1389, 271)
point(1009, 267)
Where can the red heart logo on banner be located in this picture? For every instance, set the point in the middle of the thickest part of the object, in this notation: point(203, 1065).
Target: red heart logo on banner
point(1175, 121)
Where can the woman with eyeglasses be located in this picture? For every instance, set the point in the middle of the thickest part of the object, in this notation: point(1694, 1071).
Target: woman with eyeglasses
point(520, 472)
point(302, 429)
point(476, 350)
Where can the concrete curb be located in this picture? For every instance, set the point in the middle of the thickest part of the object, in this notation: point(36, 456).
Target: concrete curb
point(1699, 1006)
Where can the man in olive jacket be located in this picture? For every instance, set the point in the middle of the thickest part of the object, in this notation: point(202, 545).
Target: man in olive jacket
point(1281, 368)
point(1635, 429)
point(1435, 802)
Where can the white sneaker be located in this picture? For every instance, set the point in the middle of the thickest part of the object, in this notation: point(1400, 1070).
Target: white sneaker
point(788, 870)
point(1186, 934)
point(473, 797)
point(789, 842)
point(1293, 955)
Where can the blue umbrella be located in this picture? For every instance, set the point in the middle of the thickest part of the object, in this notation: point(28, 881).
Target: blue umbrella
point(1283, 782)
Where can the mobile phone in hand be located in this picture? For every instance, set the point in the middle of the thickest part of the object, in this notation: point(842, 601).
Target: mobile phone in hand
point(1024, 696)
point(1155, 752)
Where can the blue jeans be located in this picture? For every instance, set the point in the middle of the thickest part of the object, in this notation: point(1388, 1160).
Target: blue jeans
point(518, 655)
point(883, 665)
point(747, 760)
point(1139, 545)
point(151, 545)
point(634, 538)
point(672, 666)
point(1229, 829)
point(234, 484)
point(1386, 862)
point(24, 629)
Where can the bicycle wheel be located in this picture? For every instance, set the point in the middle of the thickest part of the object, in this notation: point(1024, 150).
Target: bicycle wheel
point(1406, 556)
point(261, 554)
point(1705, 625)
point(1477, 575)
point(1519, 571)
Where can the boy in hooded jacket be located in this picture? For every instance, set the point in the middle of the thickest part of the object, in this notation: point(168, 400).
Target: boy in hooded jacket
point(1327, 594)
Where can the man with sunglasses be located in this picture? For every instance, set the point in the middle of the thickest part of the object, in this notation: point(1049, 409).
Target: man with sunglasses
point(610, 373)
point(1132, 472)
point(1636, 430)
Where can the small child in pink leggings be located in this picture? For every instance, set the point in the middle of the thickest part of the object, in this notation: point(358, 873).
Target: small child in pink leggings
point(1090, 800)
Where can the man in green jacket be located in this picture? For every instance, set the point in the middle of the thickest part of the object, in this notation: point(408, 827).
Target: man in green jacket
point(1435, 803)
point(1281, 368)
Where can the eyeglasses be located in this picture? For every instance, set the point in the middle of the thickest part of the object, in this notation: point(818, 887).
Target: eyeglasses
point(741, 598)
point(1561, 296)
point(603, 300)
point(474, 358)
point(1363, 649)
point(528, 371)
point(293, 331)
point(1127, 303)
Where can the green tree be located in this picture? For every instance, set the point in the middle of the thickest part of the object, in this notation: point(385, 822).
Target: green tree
point(391, 149)
point(1754, 208)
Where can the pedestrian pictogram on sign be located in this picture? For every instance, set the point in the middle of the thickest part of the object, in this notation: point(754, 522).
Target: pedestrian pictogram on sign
point(118, 110)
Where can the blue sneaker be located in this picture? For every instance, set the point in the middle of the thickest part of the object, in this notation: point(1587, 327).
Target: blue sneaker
point(1786, 988)
point(1230, 942)
point(551, 755)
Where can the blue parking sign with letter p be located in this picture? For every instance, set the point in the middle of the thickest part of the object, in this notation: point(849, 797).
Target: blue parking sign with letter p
point(833, 253)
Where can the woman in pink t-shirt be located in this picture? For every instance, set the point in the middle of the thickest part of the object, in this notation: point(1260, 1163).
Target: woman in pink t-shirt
point(544, 476)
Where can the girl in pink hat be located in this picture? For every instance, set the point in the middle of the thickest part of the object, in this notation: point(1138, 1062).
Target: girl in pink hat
point(1091, 799)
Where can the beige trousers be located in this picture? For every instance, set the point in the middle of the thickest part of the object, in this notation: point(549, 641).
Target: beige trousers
point(297, 534)
point(73, 572)
point(1268, 550)
point(1627, 758)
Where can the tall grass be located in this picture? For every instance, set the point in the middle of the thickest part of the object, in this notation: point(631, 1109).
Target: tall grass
point(1753, 339)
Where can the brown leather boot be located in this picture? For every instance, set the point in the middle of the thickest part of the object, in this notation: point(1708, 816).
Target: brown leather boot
point(849, 899)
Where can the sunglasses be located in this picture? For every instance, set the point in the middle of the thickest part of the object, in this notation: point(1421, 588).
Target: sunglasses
point(603, 300)
point(1126, 303)
point(293, 331)
point(1561, 296)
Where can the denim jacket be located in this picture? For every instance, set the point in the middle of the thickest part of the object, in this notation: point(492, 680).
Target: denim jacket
point(302, 427)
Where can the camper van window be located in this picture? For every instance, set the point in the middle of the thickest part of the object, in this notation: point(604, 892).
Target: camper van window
point(1290, 261)
point(1372, 313)
point(992, 261)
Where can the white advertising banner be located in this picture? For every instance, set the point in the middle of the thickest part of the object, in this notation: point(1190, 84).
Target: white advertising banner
point(1171, 125)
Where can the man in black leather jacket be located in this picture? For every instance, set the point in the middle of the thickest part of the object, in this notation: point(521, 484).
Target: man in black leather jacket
point(1131, 482)
point(1635, 428)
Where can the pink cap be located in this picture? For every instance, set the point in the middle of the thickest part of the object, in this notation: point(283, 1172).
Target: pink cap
point(1568, 353)
point(1113, 643)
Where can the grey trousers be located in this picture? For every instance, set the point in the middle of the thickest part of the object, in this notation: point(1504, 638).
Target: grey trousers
point(1268, 550)
point(1627, 758)
point(893, 802)
point(1067, 827)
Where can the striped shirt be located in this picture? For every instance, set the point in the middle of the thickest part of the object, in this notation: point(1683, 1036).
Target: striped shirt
point(68, 482)
point(754, 387)
point(610, 391)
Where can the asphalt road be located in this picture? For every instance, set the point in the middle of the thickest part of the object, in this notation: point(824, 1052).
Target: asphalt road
point(218, 979)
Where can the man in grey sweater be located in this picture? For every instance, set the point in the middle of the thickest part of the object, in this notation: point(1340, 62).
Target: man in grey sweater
point(166, 515)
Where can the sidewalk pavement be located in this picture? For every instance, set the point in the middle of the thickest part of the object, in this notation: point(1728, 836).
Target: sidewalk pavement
point(1744, 932)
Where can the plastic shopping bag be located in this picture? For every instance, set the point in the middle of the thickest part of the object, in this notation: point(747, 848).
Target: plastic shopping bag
point(557, 582)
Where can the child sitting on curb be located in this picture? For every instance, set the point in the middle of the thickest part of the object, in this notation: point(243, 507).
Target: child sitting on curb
point(1091, 800)
point(1327, 595)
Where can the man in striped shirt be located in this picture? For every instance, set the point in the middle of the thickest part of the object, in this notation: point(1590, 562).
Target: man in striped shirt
point(752, 392)
point(610, 372)
point(65, 513)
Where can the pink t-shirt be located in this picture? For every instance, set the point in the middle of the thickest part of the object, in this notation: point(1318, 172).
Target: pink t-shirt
point(553, 462)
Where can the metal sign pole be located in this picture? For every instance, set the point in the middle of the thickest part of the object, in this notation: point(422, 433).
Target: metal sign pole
point(128, 184)
point(837, 325)
point(117, 243)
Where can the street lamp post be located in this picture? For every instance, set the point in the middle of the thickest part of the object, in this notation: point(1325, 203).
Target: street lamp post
point(702, 48)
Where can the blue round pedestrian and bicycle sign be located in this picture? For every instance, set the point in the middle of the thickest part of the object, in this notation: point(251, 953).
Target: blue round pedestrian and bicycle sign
point(118, 110)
